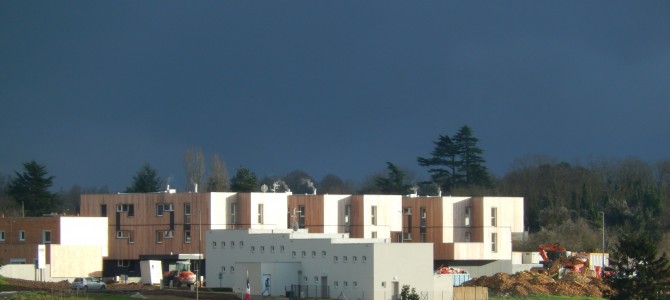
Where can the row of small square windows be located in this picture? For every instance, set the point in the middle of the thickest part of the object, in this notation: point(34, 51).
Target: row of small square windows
point(293, 253)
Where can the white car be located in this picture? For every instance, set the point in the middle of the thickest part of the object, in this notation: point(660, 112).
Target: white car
point(88, 283)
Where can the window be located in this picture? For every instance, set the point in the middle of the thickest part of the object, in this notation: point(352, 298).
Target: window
point(123, 263)
point(163, 207)
point(187, 209)
point(223, 269)
point(494, 242)
point(272, 249)
point(22, 235)
point(468, 211)
point(313, 254)
point(316, 278)
point(130, 237)
point(103, 210)
point(345, 259)
point(281, 248)
point(187, 236)
point(374, 234)
point(304, 278)
point(347, 215)
point(127, 208)
point(2, 235)
point(301, 216)
point(323, 254)
point(422, 214)
point(467, 236)
point(293, 253)
point(260, 213)
point(232, 244)
point(346, 284)
point(46, 236)
point(223, 244)
point(241, 244)
point(233, 213)
point(337, 284)
point(373, 215)
point(253, 249)
point(168, 234)
point(422, 237)
point(159, 236)
point(407, 211)
point(122, 234)
point(494, 216)
point(214, 245)
point(354, 259)
point(364, 258)
point(262, 249)
point(335, 259)
point(232, 269)
point(304, 253)
point(355, 283)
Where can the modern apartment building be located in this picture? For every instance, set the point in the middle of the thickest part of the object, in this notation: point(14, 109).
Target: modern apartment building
point(60, 247)
point(470, 232)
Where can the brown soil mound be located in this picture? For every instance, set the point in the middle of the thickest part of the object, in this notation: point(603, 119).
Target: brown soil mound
point(535, 283)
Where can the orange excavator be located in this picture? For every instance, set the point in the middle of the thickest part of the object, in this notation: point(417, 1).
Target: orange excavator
point(555, 259)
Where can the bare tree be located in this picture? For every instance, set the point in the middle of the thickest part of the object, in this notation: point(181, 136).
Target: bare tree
point(194, 168)
point(218, 181)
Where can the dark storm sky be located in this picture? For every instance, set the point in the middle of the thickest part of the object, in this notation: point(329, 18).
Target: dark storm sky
point(94, 89)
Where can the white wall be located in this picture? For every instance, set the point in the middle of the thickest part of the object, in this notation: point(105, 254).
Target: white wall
point(389, 215)
point(354, 268)
point(85, 231)
point(75, 261)
point(275, 211)
point(333, 212)
point(220, 209)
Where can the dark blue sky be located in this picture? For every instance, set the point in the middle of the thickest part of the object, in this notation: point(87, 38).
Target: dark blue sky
point(93, 89)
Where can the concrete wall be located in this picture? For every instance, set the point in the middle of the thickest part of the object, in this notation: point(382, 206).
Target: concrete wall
point(274, 210)
point(389, 215)
point(483, 268)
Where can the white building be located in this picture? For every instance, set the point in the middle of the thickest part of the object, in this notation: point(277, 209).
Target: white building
point(281, 261)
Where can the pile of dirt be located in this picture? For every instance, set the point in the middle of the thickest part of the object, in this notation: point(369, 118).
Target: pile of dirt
point(535, 283)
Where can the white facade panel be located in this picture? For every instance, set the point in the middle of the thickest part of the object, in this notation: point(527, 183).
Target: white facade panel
point(85, 231)
point(333, 212)
point(274, 214)
point(388, 215)
point(221, 210)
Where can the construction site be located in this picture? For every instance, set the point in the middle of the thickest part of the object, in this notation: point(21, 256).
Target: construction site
point(558, 272)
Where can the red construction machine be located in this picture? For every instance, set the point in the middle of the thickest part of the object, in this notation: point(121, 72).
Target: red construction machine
point(555, 260)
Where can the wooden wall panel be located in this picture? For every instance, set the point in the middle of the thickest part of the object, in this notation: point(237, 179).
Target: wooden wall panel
point(314, 211)
point(357, 216)
point(143, 225)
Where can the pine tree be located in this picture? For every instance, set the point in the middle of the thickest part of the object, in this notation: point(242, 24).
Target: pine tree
point(457, 161)
point(145, 181)
point(244, 181)
point(640, 273)
point(31, 189)
point(394, 183)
